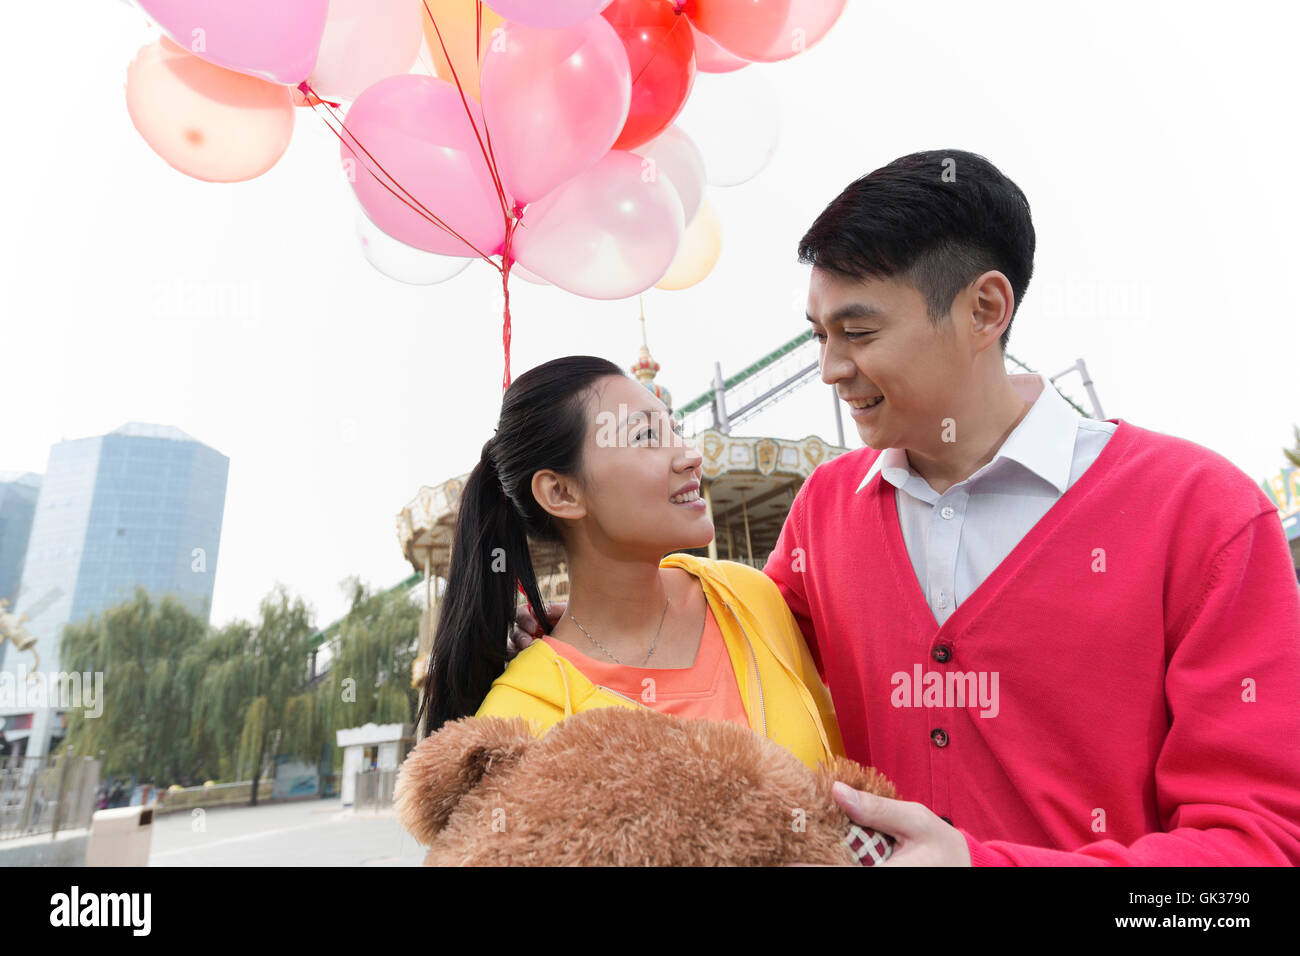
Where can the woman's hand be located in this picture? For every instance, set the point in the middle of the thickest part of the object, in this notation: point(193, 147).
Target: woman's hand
point(526, 630)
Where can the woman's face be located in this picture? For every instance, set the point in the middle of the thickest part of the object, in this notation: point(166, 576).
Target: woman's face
point(641, 491)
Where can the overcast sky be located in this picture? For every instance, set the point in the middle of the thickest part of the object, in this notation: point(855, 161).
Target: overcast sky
point(1155, 142)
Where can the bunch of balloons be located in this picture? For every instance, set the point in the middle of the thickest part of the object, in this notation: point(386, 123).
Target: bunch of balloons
point(545, 144)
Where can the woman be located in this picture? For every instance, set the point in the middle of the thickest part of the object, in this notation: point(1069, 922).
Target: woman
point(586, 457)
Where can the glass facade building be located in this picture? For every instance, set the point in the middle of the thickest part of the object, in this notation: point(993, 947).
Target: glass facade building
point(18, 493)
point(140, 506)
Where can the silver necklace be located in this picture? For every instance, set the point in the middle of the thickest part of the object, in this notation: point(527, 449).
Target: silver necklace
point(611, 656)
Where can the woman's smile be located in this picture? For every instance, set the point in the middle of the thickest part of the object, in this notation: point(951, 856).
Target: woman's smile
point(688, 496)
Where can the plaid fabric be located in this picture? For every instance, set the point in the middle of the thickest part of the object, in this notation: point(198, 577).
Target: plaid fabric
point(869, 846)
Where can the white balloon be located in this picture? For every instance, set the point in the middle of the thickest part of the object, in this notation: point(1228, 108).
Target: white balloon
point(517, 270)
point(605, 234)
point(404, 263)
point(678, 158)
point(365, 41)
point(734, 119)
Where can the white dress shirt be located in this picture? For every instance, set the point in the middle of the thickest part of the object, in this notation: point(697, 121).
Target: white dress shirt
point(956, 539)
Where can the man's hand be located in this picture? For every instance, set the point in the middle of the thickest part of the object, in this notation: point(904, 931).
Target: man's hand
point(921, 837)
point(526, 630)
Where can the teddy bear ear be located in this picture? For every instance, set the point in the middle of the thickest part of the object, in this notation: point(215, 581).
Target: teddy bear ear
point(445, 766)
point(868, 779)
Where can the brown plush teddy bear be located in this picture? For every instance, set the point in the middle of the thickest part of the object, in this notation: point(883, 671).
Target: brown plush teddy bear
point(623, 787)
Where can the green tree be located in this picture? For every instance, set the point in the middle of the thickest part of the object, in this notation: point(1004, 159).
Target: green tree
point(370, 670)
point(274, 671)
point(223, 684)
point(145, 650)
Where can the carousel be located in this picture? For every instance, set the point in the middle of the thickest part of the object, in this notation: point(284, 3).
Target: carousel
point(748, 481)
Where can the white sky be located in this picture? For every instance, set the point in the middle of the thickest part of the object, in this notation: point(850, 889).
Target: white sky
point(1155, 142)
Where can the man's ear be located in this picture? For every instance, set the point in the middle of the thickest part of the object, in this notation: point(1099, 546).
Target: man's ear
point(558, 494)
point(991, 304)
point(445, 766)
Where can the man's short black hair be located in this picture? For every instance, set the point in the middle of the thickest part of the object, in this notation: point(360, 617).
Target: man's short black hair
point(936, 219)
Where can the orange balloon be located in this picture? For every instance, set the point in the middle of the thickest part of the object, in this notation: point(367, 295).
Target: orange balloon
point(211, 123)
point(698, 254)
point(456, 23)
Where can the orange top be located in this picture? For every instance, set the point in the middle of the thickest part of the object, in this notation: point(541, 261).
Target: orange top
point(706, 689)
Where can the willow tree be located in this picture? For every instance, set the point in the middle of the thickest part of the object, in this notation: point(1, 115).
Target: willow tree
point(370, 671)
point(223, 685)
point(145, 650)
point(254, 681)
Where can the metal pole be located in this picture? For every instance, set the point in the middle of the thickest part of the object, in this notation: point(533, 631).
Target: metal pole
point(719, 401)
point(31, 792)
point(64, 763)
point(1092, 392)
point(708, 504)
point(839, 418)
point(428, 599)
point(749, 545)
point(1087, 384)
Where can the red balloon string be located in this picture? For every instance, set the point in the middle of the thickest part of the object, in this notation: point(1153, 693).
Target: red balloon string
point(507, 261)
point(409, 200)
point(486, 150)
point(511, 215)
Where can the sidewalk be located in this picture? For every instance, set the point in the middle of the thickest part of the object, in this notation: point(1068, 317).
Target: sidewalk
point(301, 833)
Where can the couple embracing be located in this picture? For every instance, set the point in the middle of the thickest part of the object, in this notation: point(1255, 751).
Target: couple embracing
point(1120, 587)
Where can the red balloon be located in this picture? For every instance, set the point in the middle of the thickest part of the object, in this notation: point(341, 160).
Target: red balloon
point(764, 30)
point(661, 51)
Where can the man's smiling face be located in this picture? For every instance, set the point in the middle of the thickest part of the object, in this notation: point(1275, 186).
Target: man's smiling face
point(878, 341)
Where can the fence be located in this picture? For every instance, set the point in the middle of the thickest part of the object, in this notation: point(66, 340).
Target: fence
point(46, 794)
point(374, 789)
point(217, 795)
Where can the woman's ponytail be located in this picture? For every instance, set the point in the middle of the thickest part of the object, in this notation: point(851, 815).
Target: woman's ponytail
point(489, 553)
point(543, 425)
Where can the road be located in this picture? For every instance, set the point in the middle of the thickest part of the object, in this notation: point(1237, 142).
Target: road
point(302, 833)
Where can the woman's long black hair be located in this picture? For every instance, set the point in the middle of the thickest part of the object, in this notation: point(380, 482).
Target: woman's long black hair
point(543, 425)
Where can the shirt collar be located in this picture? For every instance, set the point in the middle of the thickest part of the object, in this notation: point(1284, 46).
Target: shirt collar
point(1043, 442)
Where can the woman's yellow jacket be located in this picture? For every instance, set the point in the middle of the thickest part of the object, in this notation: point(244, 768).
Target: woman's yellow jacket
point(779, 685)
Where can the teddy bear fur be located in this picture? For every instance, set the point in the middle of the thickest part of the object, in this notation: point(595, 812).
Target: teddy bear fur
point(622, 787)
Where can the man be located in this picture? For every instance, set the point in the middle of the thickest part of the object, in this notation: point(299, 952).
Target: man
point(1065, 641)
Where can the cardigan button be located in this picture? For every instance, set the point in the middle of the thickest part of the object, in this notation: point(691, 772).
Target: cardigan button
point(940, 737)
point(942, 653)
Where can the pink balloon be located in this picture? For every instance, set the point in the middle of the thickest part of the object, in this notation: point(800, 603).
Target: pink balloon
point(555, 102)
point(548, 14)
point(365, 41)
point(606, 234)
point(213, 124)
point(274, 41)
point(418, 137)
point(711, 58)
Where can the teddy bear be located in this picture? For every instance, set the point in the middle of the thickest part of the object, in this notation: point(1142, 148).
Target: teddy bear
point(622, 787)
